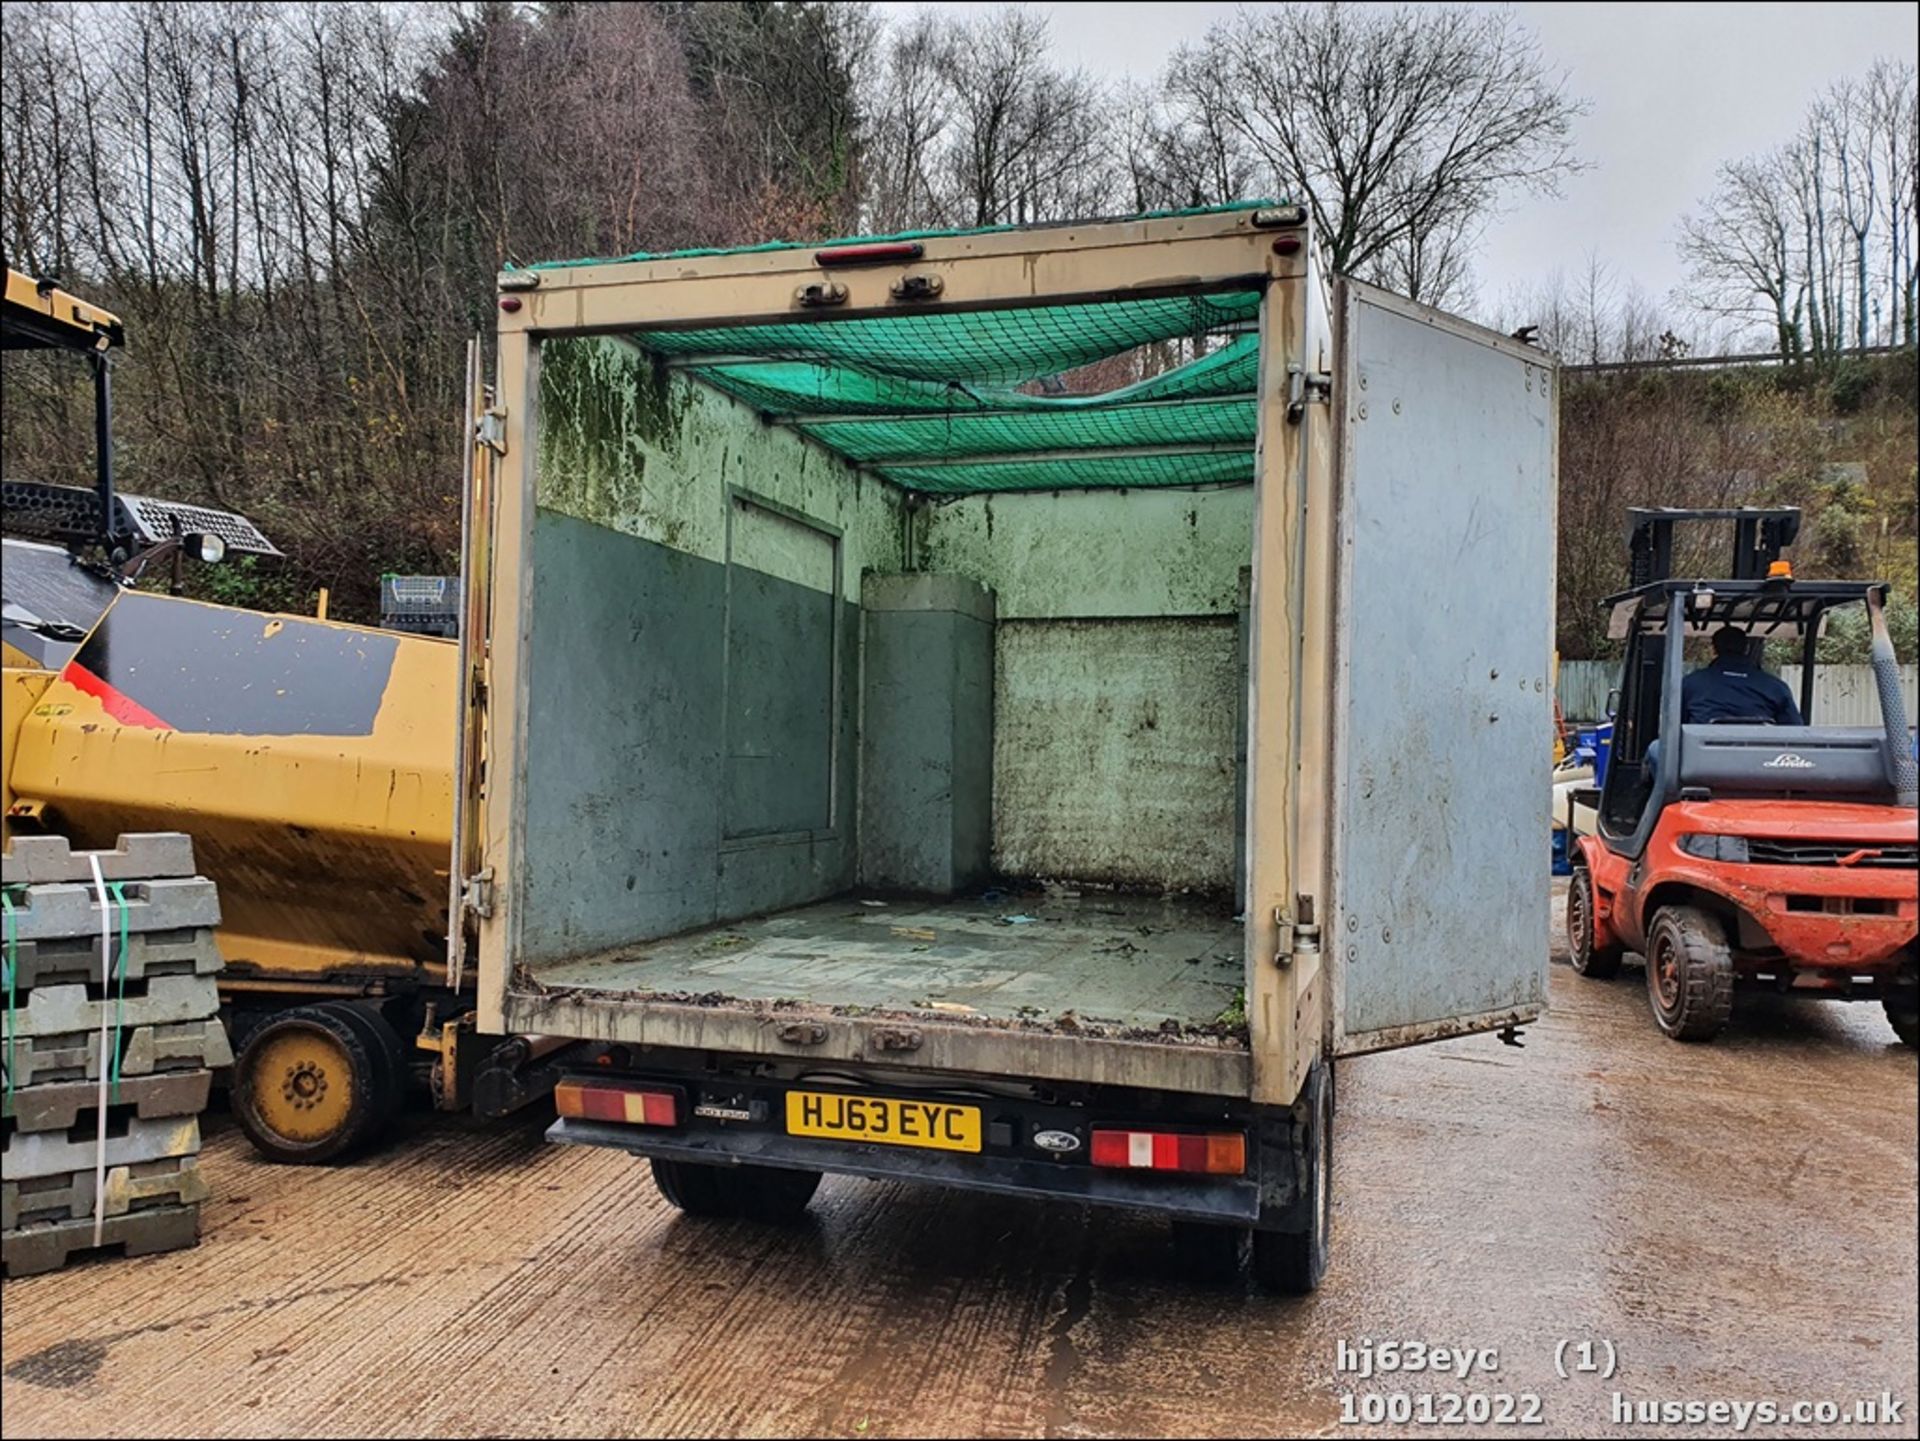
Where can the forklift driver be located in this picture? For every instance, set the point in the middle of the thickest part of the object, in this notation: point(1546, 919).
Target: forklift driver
point(1733, 688)
point(1729, 690)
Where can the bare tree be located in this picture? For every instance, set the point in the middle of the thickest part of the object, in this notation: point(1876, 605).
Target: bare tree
point(1029, 139)
point(1817, 235)
point(1893, 121)
point(1403, 130)
point(912, 111)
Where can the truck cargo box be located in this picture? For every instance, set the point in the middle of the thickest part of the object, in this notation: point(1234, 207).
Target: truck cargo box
point(853, 697)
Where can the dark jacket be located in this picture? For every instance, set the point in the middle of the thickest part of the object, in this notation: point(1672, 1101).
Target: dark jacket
point(1731, 689)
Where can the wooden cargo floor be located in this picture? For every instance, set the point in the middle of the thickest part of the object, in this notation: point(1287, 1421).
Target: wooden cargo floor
point(1114, 960)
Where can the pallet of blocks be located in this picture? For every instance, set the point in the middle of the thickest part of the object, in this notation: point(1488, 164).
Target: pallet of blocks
point(112, 1036)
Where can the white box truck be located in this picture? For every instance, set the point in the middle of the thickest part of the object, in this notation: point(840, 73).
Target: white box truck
point(1004, 708)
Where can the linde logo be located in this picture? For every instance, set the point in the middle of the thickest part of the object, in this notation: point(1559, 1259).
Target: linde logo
point(1788, 761)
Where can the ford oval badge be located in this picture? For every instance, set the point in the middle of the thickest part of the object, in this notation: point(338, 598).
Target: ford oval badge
point(1060, 1142)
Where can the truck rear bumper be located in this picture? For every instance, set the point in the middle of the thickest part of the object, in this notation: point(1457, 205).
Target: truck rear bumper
point(1232, 1201)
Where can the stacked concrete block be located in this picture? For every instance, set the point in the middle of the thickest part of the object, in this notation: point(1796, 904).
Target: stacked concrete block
point(67, 1187)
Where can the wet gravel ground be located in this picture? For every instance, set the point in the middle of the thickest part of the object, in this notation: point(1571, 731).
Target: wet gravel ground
point(1734, 1222)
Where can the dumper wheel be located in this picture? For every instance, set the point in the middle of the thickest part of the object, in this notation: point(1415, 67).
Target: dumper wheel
point(1602, 963)
point(390, 1062)
point(754, 1193)
point(1292, 1262)
point(1689, 973)
point(307, 1085)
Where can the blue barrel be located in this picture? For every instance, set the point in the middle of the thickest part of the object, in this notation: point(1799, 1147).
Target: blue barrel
point(1602, 752)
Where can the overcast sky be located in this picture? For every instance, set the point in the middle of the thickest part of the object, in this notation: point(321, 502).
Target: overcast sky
point(1675, 89)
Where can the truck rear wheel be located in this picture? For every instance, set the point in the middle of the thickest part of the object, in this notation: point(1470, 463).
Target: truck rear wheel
point(1689, 973)
point(310, 1085)
point(1208, 1253)
point(1292, 1262)
point(1602, 963)
point(753, 1193)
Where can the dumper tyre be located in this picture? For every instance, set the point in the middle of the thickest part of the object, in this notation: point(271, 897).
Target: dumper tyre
point(389, 1061)
point(1689, 973)
point(307, 1086)
point(1292, 1262)
point(1208, 1253)
point(754, 1193)
point(1600, 963)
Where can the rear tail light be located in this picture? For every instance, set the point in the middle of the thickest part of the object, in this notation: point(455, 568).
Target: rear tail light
point(605, 1101)
point(1213, 1153)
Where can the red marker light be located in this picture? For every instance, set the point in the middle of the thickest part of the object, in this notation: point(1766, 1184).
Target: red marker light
point(510, 303)
point(869, 254)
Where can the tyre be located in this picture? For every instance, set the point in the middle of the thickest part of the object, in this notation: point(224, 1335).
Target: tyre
point(1292, 1262)
point(1602, 963)
point(307, 1085)
point(1903, 1014)
point(1208, 1253)
point(754, 1193)
point(390, 1061)
point(1689, 973)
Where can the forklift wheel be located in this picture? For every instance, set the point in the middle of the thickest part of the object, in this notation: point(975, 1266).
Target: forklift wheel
point(1602, 963)
point(1689, 973)
point(753, 1193)
point(308, 1086)
point(1903, 1014)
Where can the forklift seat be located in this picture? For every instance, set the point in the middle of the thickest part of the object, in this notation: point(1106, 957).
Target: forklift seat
point(1843, 762)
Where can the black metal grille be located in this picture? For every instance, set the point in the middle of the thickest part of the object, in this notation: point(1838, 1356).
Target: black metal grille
point(1830, 853)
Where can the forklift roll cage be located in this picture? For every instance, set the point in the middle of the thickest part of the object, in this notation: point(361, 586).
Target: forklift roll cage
point(1654, 669)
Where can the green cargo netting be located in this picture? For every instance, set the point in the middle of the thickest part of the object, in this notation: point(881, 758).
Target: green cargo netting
point(943, 401)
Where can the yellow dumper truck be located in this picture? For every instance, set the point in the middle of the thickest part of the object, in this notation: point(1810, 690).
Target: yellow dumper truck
point(311, 762)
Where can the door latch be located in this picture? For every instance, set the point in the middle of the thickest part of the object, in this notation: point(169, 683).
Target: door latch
point(476, 894)
point(820, 293)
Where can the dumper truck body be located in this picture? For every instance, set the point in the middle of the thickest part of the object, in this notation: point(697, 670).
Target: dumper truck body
point(902, 769)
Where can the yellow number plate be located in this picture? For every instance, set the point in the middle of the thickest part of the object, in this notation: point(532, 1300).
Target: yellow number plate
point(837, 1115)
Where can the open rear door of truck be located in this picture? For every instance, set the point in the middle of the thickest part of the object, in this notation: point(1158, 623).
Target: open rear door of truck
point(1441, 699)
point(470, 885)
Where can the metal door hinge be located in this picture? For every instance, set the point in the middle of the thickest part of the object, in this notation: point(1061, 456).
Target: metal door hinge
point(491, 430)
point(476, 894)
point(1302, 387)
point(1298, 935)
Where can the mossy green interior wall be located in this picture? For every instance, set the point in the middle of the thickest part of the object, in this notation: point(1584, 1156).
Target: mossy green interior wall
point(1119, 674)
point(693, 655)
point(1116, 678)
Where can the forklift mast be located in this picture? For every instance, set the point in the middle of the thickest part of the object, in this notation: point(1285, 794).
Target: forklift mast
point(1759, 535)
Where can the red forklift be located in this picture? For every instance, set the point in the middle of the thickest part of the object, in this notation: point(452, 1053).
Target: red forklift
point(1742, 853)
